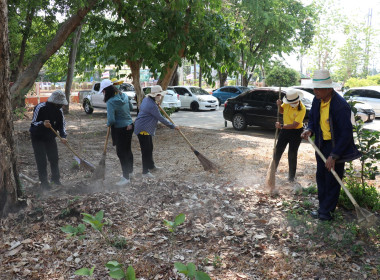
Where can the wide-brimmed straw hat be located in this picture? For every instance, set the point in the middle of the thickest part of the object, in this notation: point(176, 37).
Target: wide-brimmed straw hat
point(156, 90)
point(322, 79)
point(104, 84)
point(292, 95)
point(116, 81)
point(58, 97)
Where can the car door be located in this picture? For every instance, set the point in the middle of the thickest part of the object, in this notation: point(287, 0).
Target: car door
point(225, 93)
point(97, 97)
point(253, 107)
point(372, 97)
point(185, 96)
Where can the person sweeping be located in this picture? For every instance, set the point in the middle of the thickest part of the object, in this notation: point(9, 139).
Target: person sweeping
point(290, 131)
point(47, 115)
point(330, 123)
point(120, 120)
point(145, 128)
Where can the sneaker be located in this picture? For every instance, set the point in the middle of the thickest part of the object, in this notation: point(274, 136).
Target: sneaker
point(148, 175)
point(123, 181)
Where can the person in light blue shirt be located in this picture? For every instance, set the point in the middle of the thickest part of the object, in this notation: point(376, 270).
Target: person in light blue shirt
point(120, 120)
point(145, 127)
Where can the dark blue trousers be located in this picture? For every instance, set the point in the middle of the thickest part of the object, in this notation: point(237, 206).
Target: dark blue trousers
point(328, 186)
point(146, 145)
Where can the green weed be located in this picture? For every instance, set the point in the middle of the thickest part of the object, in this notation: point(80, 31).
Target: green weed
point(191, 272)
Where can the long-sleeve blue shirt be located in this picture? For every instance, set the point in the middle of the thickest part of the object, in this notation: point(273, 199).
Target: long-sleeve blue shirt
point(119, 111)
point(148, 117)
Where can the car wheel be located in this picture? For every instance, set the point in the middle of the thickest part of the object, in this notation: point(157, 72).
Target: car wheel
point(87, 107)
point(194, 106)
point(238, 122)
point(176, 109)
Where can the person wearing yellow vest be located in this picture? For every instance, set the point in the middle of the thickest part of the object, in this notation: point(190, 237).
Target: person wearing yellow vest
point(330, 123)
point(293, 114)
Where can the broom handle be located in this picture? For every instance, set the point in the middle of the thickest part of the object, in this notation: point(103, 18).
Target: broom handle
point(106, 142)
point(334, 173)
point(278, 119)
point(183, 135)
point(66, 143)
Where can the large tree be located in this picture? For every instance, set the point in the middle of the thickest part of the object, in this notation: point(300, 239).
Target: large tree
point(27, 77)
point(9, 180)
point(271, 27)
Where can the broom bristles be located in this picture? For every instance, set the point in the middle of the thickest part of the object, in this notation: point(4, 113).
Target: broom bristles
point(100, 169)
point(270, 181)
point(207, 164)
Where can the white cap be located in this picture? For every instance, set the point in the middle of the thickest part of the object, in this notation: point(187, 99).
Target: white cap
point(104, 84)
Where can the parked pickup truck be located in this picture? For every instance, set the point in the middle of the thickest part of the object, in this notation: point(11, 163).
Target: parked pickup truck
point(96, 99)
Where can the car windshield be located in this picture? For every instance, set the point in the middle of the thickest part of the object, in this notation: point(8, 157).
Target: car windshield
point(198, 91)
point(126, 87)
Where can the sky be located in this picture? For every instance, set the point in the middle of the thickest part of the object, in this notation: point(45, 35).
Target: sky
point(350, 8)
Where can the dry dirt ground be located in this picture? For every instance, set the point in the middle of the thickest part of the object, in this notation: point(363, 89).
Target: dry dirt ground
point(233, 228)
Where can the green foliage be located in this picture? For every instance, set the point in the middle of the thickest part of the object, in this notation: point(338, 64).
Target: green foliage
point(310, 190)
point(369, 81)
point(172, 225)
point(116, 271)
point(85, 271)
point(364, 194)
point(19, 113)
point(368, 143)
point(191, 271)
point(94, 221)
point(75, 231)
point(282, 76)
point(169, 111)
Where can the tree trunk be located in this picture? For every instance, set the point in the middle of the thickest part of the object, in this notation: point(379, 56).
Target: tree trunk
point(263, 74)
point(9, 180)
point(25, 36)
point(222, 78)
point(200, 76)
point(135, 73)
point(25, 81)
point(175, 78)
point(71, 66)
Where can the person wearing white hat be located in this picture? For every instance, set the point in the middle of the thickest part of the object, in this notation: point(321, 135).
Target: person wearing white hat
point(46, 115)
point(120, 120)
point(145, 128)
point(330, 123)
point(293, 114)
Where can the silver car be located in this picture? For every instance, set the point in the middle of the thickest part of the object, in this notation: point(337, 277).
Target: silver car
point(369, 95)
point(170, 100)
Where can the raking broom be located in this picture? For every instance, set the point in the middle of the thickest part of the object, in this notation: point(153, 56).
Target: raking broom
point(207, 164)
point(270, 181)
point(101, 168)
point(364, 216)
point(82, 163)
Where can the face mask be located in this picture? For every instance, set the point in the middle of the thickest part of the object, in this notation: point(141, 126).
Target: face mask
point(294, 105)
point(117, 86)
point(58, 106)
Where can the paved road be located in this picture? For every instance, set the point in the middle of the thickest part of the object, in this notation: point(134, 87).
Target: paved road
point(215, 120)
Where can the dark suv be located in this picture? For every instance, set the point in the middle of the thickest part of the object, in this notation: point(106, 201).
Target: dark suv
point(258, 107)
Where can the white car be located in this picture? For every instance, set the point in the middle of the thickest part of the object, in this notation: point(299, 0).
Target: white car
point(364, 110)
point(370, 95)
point(170, 100)
point(96, 99)
point(195, 98)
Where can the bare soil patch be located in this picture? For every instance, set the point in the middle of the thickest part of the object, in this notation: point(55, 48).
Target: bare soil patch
point(233, 229)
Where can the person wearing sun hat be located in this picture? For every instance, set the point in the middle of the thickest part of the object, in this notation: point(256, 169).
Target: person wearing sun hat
point(293, 114)
point(120, 120)
point(330, 123)
point(145, 127)
point(46, 115)
point(117, 82)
